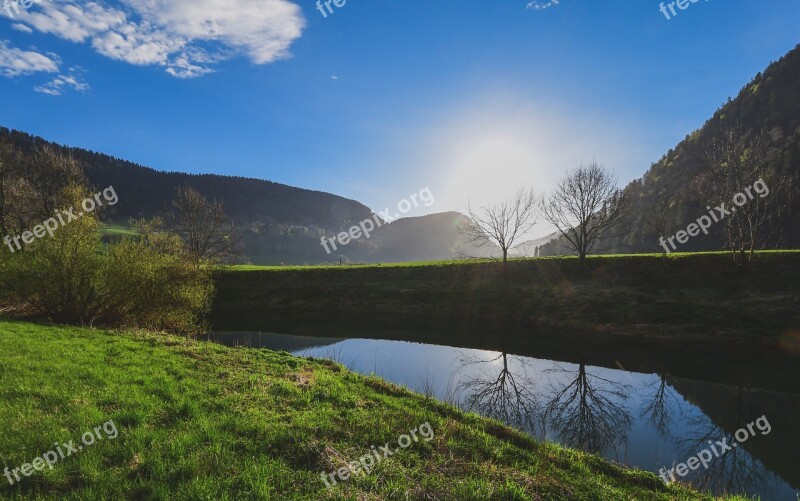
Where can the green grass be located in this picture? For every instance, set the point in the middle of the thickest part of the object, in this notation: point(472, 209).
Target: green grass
point(116, 230)
point(255, 267)
point(452, 262)
point(200, 421)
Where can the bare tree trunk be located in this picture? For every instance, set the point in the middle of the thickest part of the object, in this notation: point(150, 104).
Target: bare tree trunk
point(503, 224)
point(585, 207)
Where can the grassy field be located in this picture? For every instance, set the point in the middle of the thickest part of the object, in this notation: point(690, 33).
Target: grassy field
point(117, 230)
point(200, 421)
point(688, 298)
point(676, 256)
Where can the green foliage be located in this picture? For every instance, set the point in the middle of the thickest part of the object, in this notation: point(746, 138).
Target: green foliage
point(151, 283)
point(71, 278)
point(57, 276)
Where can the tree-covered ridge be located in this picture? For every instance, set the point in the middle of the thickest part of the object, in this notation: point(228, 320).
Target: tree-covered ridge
point(676, 186)
point(148, 192)
point(278, 222)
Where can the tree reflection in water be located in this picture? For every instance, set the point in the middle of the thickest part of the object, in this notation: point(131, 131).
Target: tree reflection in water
point(588, 411)
point(503, 391)
point(662, 406)
point(592, 413)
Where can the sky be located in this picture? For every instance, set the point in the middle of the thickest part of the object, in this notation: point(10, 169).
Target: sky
point(378, 99)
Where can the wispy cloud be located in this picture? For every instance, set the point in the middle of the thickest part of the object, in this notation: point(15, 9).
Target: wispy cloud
point(61, 83)
point(15, 62)
point(541, 5)
point(186, 37)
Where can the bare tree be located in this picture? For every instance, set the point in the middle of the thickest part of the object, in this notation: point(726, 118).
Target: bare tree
point(502, 224)
point(739, 161)
point(203, 227)
point(585, 206)
point(32, 187)
point(49, 173)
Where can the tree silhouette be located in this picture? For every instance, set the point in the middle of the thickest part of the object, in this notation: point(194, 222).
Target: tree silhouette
point(585, 207)
point(585, 415)
point(502, 224)
point(660, 410)
point(506, 395)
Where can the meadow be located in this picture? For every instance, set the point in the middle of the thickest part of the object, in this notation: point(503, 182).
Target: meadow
point(201, 421)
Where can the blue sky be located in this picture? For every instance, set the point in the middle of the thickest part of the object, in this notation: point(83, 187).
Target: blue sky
point(383, 97)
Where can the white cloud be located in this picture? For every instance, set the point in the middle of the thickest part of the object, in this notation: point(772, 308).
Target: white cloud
point(62, 82)
point(137, 44)
point(541, 5)
point(15, 62)
point(185, 36)
point(263, 29)
point(183, 68)
point(72, 22)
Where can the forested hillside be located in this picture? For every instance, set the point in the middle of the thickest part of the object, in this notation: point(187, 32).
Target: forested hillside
point(675, 191)
point(148, 191)
point(278, 222)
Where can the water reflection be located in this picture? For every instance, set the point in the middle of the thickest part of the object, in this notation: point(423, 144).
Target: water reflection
point(643, 420)
point(588, 411)
point(661, 407)
point(499, 390)
point(736, 470)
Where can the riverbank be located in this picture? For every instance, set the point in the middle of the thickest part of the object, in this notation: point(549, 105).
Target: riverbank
point(695, 300)
point(197, 420)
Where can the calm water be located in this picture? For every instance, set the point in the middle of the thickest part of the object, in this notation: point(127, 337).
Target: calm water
point(644, 420)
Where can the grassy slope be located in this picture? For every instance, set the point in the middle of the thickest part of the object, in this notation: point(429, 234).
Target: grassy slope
point(201, 421)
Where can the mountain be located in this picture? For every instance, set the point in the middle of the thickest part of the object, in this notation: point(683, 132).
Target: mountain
point(283, 224)
point(530, 247)
point(427, 238)
point(279, 223)
point(768, 105)
point(145, 192)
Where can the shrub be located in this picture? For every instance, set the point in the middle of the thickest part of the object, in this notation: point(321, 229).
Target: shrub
point(144, 281)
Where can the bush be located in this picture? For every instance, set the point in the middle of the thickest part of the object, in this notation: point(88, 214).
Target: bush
point(153, 283)
point(145, 281)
